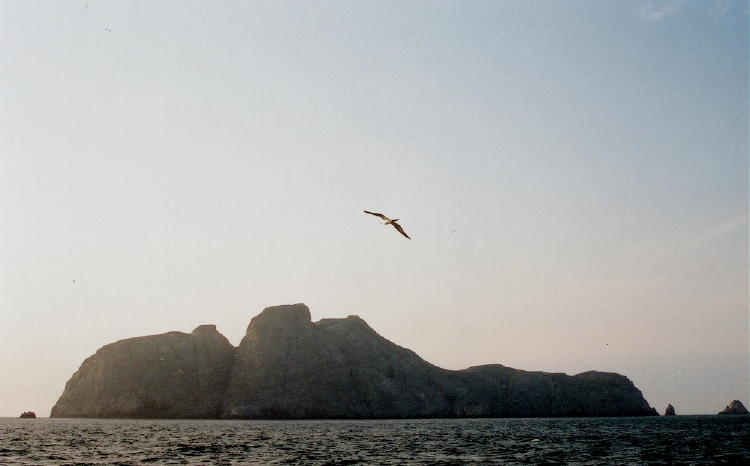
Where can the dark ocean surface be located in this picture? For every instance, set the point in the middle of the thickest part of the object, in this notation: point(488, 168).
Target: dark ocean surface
point(641, 440)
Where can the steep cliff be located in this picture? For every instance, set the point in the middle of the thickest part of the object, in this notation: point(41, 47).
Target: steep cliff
point(289, 367)
point(173, 375)
point(286, 366)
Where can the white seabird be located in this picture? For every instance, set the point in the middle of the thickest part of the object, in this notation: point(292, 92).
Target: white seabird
point(388, 221)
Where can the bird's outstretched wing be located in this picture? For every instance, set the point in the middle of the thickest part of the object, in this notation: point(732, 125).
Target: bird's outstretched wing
point(400, 230)
point(376, 214)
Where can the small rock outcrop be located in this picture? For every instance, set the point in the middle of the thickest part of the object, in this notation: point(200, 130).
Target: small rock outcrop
point(288, 367)
point(669, 411)
point(735, 407)
point(28, 415)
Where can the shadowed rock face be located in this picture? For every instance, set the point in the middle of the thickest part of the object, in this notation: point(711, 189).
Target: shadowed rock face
point(735, 407)
point(173, 375)
point(669, 411)
point(289, 367)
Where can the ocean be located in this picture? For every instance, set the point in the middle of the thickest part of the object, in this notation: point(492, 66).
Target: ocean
point(635, 440)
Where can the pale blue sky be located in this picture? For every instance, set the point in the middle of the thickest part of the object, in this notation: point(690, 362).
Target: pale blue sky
point(574, 176)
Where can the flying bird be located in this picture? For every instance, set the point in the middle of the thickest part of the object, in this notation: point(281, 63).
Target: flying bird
point(388, 221)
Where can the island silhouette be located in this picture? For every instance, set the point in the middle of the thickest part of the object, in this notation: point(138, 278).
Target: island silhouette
point(288, 367)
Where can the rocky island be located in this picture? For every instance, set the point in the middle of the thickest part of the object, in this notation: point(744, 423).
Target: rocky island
point(28, 415)
point(288, 367)
point(735, 407)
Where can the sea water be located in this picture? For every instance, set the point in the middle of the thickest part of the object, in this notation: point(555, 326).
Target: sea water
point(634, 440)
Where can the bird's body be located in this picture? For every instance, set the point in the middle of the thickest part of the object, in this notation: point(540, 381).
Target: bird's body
point(388, 221)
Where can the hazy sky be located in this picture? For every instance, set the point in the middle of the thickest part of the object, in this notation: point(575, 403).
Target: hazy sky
point(574, 176)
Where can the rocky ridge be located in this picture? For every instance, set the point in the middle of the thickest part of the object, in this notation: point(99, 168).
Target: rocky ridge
point(288, 367)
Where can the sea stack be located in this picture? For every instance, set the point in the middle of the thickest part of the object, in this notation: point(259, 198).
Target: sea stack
point(288, 367)
point(669, 411)
point(28, 415)
point(735, 407)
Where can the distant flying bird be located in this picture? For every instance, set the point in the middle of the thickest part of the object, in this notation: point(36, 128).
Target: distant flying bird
point(388, 221)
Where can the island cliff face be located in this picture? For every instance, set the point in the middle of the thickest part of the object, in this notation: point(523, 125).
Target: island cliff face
point(286, 367)
point(174, 375)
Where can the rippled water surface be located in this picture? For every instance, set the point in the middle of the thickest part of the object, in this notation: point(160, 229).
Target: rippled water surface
point(652, 440)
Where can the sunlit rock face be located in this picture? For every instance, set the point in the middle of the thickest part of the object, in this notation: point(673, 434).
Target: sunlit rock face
point(286, 367)
point(173, 375)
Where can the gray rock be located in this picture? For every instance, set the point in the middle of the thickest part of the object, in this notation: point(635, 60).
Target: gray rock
point(286, 366)
point(735, 407)
point(669, 411)
point(289, 367)
point(172, 375)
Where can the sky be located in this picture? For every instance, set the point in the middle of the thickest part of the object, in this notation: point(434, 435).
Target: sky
point(573, 174)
